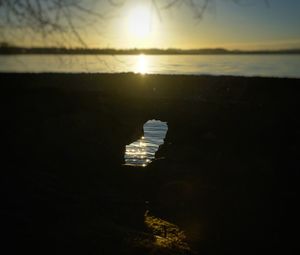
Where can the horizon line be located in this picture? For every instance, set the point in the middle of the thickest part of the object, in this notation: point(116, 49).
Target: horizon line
point(12, 49)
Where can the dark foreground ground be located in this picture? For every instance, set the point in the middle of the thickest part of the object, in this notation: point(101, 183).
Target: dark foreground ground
point(227, 175)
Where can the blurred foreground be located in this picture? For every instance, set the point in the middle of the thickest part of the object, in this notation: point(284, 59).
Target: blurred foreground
point(226, 181)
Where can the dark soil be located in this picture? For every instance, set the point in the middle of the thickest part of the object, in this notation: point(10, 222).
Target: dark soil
point(227, 175)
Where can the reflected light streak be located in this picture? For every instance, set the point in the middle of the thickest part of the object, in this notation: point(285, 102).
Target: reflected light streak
point(142, 65)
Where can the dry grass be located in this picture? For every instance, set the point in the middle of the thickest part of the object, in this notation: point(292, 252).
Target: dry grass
point(167, 235)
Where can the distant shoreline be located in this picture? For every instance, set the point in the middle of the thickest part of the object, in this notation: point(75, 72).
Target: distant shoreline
point(10, 50)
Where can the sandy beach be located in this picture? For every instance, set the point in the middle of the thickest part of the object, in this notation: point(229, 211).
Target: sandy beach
point(228, 172)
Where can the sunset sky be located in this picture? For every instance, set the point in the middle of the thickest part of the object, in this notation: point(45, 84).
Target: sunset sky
point(252, 24)
point(224, 24)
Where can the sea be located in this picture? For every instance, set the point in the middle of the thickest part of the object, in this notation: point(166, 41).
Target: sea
point(265, 65)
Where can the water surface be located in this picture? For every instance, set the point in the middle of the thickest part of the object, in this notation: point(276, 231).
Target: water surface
point(142, 152)
point(237, 65)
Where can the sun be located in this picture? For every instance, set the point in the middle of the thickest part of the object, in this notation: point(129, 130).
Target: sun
point(139, 22)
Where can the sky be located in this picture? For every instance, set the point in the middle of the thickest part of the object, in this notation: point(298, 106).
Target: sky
point(251, 24)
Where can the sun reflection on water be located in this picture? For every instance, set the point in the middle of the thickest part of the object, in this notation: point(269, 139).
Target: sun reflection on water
point(142, 64)
point(142, 151)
